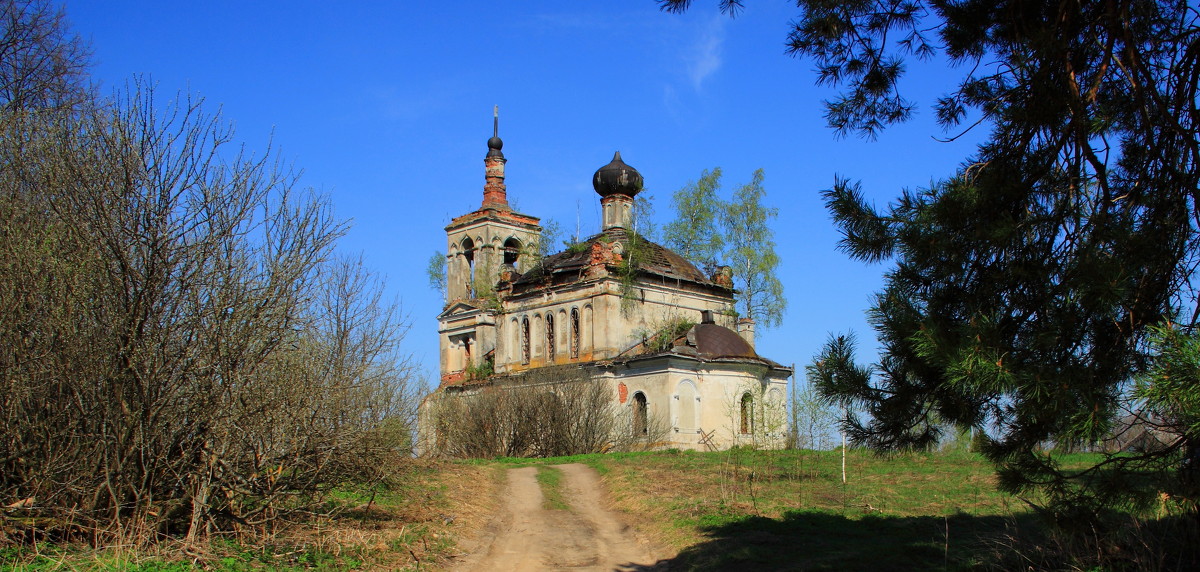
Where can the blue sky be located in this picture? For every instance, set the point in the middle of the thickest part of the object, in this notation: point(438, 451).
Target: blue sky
point(386, 107)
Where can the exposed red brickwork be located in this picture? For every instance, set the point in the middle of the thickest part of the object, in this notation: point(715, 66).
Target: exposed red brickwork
point(602, 253)
point(494, 192)
point(453, 377)
point(724, 277)
point(493, 213)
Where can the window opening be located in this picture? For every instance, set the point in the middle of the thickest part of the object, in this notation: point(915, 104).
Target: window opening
point(549, 337)
point(747, 414)
point(639, 415)
point(524, 340)
point(512, 252)
point(574, 333)
point(469, 257)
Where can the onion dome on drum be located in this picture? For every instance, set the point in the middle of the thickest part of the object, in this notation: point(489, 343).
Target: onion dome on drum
point(617, 178)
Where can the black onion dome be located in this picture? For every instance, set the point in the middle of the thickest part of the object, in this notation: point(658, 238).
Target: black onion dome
point(617, 178)
point(494, 145)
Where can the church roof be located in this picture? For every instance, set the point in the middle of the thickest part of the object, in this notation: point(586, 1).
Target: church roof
point(609, 248)
point(706, 342)
point(715, 341)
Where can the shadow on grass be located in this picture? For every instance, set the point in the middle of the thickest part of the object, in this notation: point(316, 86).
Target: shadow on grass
point(823, 541)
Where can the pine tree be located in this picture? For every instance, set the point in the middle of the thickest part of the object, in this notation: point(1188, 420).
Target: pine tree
point(1024, 287)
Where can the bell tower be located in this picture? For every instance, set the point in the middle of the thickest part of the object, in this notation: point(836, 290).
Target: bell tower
point(481, 246)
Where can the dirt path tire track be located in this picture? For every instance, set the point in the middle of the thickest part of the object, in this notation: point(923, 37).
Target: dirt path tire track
point(525, 536)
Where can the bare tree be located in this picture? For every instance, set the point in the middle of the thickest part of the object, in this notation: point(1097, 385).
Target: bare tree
point(42, 64)
point(180, 351)
point(812, 419)
point(183, 352)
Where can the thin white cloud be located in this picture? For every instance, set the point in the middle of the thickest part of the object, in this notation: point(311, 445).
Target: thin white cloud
point(670, 101)
point(703, 59)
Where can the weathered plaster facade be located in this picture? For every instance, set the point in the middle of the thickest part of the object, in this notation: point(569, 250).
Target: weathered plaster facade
point(595, 305)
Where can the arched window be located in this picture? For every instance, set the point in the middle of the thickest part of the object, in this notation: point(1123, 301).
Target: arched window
point(512, 252)
point(512, 349)
point(550, 337)
point(747, 411)
point(525, 340)
point(640, 425)
point(574, 333)
point(468, 249)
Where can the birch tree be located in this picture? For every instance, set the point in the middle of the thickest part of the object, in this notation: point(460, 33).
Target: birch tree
point(696, 232)
point(751, 254)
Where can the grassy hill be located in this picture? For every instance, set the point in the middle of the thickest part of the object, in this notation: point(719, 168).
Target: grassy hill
point(775, 510)
point(790, 510)
point(737, 509)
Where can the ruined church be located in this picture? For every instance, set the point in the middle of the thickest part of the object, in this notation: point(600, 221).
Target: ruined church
point(606, 305)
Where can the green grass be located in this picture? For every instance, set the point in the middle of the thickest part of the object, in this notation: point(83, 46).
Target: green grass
point(550, 480)
point(736, 509)
point(790, 510)
point(54, 558)
point(46, 558)
point(745, 508)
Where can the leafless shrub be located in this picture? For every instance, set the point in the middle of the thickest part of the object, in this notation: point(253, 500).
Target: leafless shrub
point(811, 421)
point(180, 351)
point(548, 412)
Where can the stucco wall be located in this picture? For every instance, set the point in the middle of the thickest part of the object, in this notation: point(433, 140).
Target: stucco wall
point(605, 328)
point(693, 400)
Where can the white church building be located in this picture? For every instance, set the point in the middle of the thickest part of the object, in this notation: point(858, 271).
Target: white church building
point(596, 304)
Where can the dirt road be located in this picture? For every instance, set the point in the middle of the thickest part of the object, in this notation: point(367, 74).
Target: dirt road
point(525, 536)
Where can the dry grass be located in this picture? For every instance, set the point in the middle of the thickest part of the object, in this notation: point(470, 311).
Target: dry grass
point(651, 494)
point(422, 525)
point(447, 505)
point(473, 494)
point(419, 524)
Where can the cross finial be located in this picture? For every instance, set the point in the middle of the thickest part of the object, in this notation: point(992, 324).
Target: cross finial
point(496, 121)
